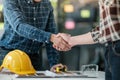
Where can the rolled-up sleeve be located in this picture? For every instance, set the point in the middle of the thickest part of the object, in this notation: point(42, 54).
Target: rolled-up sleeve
point(109, 27)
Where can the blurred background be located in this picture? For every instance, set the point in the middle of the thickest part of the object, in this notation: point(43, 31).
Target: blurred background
point(74, 17)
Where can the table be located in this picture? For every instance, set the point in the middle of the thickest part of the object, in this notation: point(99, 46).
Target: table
point(90, 76)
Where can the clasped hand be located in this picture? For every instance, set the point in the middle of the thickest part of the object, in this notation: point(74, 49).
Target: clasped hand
point(61, 41)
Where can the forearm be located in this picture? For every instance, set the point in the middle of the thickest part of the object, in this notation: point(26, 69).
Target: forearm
point(81, 39)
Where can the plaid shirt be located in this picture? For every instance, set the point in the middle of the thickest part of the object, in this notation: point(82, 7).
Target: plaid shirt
point(28, 25)
point(109, 28)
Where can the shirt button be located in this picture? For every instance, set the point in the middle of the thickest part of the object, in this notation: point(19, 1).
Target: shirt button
point(29, 50)
point(46, 41)
point(34, 8)
point(34, 19)
point(28, 2)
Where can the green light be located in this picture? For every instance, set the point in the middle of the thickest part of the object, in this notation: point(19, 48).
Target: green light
point(85, 13)
point(1, 25)
point(1, 7)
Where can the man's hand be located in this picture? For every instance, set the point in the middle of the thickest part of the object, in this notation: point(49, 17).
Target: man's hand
point(65, 36)
point(68, 38)
point(53, 69)
point(59, 43)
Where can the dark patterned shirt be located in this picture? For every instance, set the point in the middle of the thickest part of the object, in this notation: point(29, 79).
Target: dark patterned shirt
point(28, 25)
point(109, 28)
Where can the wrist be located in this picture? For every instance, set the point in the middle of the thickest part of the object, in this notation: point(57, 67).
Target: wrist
point(52, 38)
point(72, 41)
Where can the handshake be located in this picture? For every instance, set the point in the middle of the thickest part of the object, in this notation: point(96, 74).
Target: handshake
point(61, 41)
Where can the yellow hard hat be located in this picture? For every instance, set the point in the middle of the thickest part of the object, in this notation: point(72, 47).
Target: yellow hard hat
point(18, 62)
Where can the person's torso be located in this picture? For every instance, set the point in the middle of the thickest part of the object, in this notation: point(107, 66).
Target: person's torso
point(35, 14)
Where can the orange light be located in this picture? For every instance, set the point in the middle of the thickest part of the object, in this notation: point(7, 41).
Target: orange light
point(68, 8)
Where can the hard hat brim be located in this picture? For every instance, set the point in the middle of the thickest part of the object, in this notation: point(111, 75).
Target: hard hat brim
point(25, 72)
